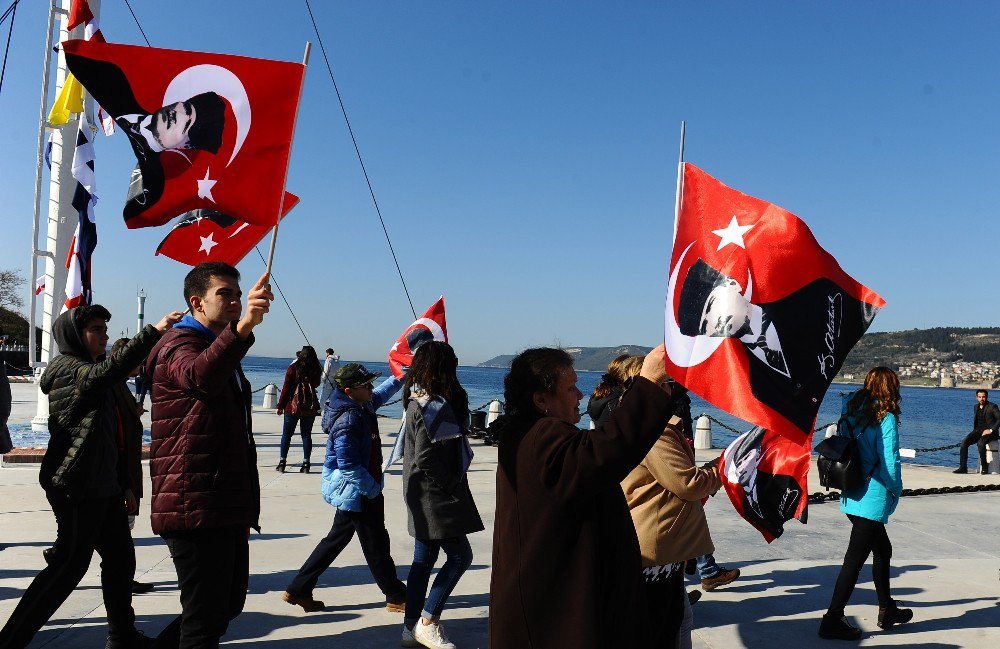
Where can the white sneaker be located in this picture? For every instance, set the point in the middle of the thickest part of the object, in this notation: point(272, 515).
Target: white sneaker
point(432, 636)
point(407, 639)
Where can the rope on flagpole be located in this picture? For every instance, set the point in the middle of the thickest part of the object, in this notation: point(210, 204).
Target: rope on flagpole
point(282, 294)
point(136, 19)
point(12, 10)
point(357, 150)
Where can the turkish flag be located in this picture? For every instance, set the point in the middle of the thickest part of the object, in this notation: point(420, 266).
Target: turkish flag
point(209, 131)
point(759, 318)
point(207, 235)
point(430, 326)
point(766, 478)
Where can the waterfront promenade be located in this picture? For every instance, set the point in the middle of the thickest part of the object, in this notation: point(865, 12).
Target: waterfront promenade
point(946, 565)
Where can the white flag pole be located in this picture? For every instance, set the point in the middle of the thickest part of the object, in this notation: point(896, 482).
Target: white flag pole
point(680, 183)
point(281, 203)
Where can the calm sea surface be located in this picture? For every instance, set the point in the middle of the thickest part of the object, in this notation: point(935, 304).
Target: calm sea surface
point(931, 416)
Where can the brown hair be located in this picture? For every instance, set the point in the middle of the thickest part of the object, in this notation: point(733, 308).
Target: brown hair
point(879, 397)
point(613, 378)
point(631, 367)
point(531, 371)
point(435, 369)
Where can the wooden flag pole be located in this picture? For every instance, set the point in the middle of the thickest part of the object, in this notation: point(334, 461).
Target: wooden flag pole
point(680, 183)
point(281, 203)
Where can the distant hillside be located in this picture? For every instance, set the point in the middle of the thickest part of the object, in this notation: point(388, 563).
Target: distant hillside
point(892, 349)
point(944, 344)
point(588, 359)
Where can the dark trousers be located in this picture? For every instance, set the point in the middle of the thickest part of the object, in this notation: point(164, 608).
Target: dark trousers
point(369, 523)
point(213, 572)
point(979, 440)
point(665, 606)
point(867, 537)
point(305, 429)
point(82, 527)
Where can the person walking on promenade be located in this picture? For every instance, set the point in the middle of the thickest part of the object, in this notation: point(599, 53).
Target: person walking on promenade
point(206, 491)
point(871, 416)
point(566, 561)
point(143, 382)
point(442, 512)
point(85, 479)
point(128, 427)
point(608, 392)
point(664, 494)
point(300, 405)
point(985, 421)
point(330, 367)
point(352, 482)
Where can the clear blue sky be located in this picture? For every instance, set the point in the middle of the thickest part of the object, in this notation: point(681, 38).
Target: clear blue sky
point(524, 157)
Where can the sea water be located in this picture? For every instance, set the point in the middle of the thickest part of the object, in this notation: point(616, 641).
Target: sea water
point(931, 417)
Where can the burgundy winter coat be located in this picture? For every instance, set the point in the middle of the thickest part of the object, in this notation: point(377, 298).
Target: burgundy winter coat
point(203, 460)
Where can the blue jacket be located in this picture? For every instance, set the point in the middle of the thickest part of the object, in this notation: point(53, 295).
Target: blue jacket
point(350, 427)
point(878, 445)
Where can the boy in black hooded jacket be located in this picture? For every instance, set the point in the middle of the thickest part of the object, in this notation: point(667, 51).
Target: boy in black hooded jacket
point(84, 481)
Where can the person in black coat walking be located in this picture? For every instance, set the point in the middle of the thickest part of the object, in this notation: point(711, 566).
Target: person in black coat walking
point(985, 421)
point(436, 457)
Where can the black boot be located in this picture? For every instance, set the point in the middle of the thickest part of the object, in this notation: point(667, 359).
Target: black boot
point(281, 466)
point(838, 628)
point(893, 615)
point(305, 467)
point(134, 640)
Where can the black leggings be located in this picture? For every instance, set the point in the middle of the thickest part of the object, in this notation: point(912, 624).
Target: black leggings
point(867, 537)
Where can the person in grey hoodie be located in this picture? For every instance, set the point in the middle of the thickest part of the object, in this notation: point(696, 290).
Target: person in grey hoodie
point(84, 480)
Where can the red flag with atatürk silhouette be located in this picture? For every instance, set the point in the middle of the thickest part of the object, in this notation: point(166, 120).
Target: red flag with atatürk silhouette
point(208, 235)
point(209, 131)
point(430, 326)
point(759, 318)
point(766, 479)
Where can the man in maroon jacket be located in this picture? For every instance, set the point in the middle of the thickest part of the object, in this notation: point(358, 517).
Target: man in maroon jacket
point(206, 493)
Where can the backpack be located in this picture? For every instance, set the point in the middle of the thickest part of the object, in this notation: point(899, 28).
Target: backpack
point(303, 402)
point(839, 461)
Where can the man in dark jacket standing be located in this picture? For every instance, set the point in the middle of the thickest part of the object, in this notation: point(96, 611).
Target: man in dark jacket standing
point(985, 420)
point(203, 464)
point(85, 479)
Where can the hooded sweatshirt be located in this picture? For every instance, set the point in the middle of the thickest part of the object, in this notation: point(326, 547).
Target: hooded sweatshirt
point(82, 456)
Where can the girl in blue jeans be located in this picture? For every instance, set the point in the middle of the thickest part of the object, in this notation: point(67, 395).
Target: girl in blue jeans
point(436, 457)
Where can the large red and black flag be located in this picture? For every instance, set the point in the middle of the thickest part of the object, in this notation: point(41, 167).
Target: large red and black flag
point(208, 235)
point(759, 318)
point(765, 476)
point(430, 326)
point(209, 131)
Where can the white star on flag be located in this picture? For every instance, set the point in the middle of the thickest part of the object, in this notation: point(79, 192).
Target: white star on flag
point(205, 187)
point(732, 233)
point(207, 243)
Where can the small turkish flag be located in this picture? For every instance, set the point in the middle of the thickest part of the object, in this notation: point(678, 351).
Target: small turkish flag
point(206, 235)
point(209, 131)
point(766, 478)
point(759, 318)
point(430, 326)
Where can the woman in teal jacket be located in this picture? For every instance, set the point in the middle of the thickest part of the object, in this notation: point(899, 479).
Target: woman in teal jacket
point(871, 415)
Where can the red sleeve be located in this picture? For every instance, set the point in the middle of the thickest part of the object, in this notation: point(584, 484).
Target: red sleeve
point(287, 388)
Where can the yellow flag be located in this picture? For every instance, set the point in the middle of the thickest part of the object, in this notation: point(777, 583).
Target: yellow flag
point(70, 100)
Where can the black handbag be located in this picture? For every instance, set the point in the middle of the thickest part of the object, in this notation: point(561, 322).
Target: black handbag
point(839, 461)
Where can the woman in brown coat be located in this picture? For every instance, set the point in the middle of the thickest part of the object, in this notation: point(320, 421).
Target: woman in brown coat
point(664, 495)
point(566, 565)
point(299, 404)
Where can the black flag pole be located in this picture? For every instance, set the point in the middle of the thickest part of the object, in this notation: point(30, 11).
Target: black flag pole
point(281, 203)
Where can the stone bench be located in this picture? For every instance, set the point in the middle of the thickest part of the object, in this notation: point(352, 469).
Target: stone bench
point(993, 457)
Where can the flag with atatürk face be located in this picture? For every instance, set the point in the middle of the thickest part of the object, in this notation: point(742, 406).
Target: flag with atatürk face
point(430, 326)
point(759, 318)
point(81, 248)
point(766, 479)
point(209, 131)
point(207, 235)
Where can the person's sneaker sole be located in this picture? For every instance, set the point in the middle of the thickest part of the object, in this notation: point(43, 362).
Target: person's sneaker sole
point(308, 605)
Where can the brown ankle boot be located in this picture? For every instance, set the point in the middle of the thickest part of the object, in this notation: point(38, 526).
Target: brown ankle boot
point(890, 616)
